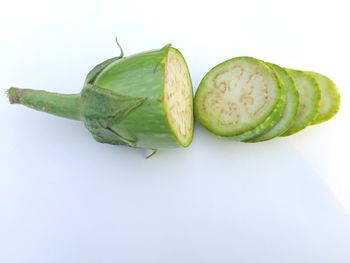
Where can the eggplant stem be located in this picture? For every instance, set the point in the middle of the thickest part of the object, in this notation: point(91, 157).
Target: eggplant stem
point(63, 105)
point(120, 48)
point(154, 151)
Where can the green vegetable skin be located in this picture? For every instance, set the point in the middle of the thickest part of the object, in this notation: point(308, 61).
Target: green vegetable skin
point(144, 100)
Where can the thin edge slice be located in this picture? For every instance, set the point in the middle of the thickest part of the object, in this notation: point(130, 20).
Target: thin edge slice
point(309, 100)
point(330, 98)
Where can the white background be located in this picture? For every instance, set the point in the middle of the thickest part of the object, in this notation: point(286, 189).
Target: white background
point(66, 198)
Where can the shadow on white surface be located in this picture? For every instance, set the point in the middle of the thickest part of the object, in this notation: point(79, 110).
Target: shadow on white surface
point(217, 201)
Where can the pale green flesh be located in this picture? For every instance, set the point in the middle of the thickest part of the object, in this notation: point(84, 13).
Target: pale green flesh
point(309, 100)
point(330, 98)
point(178, 97)
point(236, 97)
point(143, 76)
point(271, 120)
point(290, 109)
point(266, 125)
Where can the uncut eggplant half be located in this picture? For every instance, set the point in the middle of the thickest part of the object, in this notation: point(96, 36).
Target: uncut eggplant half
point(144, 100)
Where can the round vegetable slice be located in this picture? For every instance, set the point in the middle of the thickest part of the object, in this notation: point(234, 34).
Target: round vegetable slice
point(290, 109)
point(239, 99)
point(309, 100)
point(330, 98)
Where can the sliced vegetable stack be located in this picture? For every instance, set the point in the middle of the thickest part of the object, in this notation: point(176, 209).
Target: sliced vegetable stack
point(246, 99)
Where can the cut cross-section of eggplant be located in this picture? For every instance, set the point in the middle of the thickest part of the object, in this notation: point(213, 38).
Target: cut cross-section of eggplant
point(240, 98)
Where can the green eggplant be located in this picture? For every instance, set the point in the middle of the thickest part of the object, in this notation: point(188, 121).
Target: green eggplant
point(143, 100)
